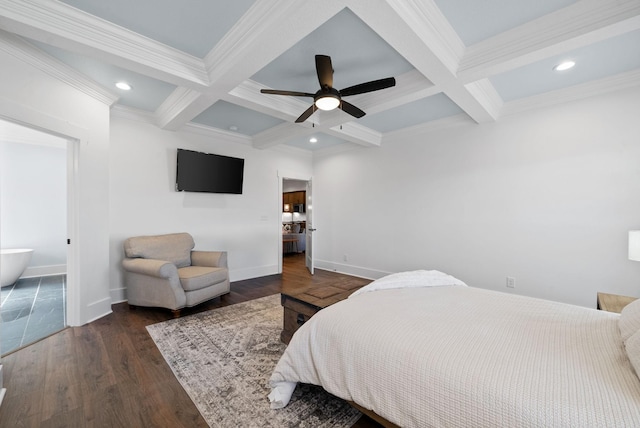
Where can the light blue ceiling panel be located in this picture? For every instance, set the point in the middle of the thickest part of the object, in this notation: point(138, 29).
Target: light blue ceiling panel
point(476, 20)
point(146, 94)
point(425, 110)
point(606, 58)
point(232, 117)
point(323, 141)
point(192, 26)
point(357, 54)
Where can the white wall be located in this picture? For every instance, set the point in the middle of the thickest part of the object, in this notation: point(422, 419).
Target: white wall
point(33, 202)
point(144, 200)
point(29, 96)
point(546, 197)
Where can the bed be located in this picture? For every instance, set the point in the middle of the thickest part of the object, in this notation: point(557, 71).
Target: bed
point(422, 349)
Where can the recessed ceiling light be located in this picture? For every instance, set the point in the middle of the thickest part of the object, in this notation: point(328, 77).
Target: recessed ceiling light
point(565, 65)
point(233, 128)
point(123, 85)
point(313, 140)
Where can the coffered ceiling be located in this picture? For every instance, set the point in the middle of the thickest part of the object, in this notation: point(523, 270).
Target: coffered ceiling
point(200, 64)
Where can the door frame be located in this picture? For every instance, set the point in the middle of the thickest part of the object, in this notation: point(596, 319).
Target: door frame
point(285, 175)
point(30, 118)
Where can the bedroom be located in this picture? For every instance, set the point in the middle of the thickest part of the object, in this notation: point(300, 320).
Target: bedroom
point(545, 196)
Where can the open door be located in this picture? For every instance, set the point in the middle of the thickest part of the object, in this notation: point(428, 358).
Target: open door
point(309, 231)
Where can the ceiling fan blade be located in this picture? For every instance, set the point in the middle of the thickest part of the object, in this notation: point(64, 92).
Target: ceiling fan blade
point(308, 112)
point(374, 85)
point(351, 109)
point(290, 93)
point(324, 70)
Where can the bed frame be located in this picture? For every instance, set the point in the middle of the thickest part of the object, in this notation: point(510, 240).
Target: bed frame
point(379, 419)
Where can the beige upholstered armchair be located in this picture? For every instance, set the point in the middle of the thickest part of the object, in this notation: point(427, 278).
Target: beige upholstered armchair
point(163, 271)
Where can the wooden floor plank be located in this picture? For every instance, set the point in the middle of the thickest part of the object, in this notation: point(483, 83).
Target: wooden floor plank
point(109, 373)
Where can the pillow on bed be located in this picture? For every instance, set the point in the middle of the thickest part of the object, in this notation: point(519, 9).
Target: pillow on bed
point(629, 321)
point(632, 346)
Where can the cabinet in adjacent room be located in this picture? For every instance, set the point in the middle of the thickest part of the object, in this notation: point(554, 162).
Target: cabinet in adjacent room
point(293, 198)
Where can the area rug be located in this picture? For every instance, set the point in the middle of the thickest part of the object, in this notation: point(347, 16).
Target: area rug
point(223, 359)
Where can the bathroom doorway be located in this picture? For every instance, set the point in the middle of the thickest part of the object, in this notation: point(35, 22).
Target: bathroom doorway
point(33, 214)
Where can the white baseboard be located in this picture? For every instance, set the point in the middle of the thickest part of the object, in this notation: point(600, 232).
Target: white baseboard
point(350, 269)
point(36, 271)
point(256, 272)
point(97, 310)
point(118, 295)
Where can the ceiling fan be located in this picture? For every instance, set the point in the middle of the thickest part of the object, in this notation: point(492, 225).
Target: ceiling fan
point(329, 98)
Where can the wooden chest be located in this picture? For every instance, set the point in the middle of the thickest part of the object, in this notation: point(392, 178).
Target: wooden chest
point(300, 305)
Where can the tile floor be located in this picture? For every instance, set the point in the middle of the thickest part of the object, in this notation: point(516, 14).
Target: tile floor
point(31, 309)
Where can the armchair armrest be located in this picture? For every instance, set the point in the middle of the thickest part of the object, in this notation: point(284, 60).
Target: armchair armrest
point(151, 267)
point(209, 258)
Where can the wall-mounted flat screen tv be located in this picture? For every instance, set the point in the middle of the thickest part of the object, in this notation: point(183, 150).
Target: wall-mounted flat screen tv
point(206, 172)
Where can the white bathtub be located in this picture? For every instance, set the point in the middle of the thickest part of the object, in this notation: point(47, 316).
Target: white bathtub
point(13, 262)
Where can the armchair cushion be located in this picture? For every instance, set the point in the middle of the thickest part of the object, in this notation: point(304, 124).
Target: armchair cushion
point(175, 248)
point(197, 277)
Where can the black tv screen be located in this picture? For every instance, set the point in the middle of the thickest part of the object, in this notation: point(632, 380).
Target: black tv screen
point(206, 172)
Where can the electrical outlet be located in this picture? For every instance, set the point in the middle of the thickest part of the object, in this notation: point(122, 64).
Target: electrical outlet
point(511, 282)
point(345, 258)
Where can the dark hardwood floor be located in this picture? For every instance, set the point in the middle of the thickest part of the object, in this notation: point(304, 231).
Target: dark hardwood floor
point(109, 373)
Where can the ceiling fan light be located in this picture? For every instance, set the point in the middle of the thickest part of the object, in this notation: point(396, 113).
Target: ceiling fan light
point(327, 102)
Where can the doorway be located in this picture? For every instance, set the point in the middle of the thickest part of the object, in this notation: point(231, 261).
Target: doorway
point(33, 215)
point(296, 245)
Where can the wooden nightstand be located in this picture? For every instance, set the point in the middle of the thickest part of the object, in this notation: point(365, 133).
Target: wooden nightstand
point(613, 302)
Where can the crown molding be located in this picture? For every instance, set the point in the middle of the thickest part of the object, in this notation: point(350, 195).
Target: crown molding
point(574, 26)
point(485, 93)
point(418, 131)
point(279, 134)
point(207, 131)
point(618, 82)
point(28, 53)
point(336, 149)
point(291, 150)
point(66, 27)
point(134, 114)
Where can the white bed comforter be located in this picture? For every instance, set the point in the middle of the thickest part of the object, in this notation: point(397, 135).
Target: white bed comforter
point(456, 356)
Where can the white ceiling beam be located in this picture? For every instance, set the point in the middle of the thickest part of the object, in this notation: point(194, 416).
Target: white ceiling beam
point(248, 95)
point(65, 27)
point(280, 134)
point(421, 34)
point(410, 86)
point(581, 24)
point(356, 133)
point(265, 31)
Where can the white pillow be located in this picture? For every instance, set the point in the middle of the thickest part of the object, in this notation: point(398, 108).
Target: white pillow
point(632, 346)
point(629, 321)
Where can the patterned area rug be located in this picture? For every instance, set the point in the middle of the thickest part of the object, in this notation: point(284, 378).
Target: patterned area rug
point(223, 359)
